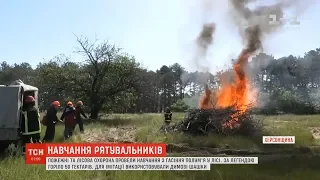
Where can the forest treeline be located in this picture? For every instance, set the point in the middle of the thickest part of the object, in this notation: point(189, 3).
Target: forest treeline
point(110, 80)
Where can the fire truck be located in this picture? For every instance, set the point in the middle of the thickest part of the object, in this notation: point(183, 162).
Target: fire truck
point(11, 104)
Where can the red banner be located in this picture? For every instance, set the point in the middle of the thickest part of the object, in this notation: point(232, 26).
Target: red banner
point(37, 153)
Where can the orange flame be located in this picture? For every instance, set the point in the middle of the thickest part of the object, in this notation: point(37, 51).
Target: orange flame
point(236, 93)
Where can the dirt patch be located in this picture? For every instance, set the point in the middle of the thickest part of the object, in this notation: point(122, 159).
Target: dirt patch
point(279, 121)
point(113, 135)
point(315, 132)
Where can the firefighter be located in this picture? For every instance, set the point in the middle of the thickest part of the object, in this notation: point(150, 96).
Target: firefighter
point(68, 116)
point(167, 116)
point(79, 112)
point(30, 123)
point(51, 120)
point(167, 120)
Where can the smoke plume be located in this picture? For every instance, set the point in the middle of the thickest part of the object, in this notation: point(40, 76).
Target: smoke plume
point(205, 38)
point(254, 24)
point(203, 42)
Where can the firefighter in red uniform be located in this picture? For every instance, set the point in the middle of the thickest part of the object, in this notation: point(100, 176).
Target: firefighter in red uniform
point(68, 116)
point(79, 112)
point(51, 120)
point(30, 122)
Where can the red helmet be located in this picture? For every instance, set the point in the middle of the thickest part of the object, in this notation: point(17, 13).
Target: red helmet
point(80, 103)
point(29, 99)
point(55, 103)
point(69, 103)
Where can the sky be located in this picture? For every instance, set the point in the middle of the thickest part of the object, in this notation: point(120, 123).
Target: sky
point(156, 32)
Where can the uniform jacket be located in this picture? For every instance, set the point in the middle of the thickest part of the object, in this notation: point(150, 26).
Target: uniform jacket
point(68, 116)
point(79, 112)
point(167, 115)
point(30, 122)
point(51, 116)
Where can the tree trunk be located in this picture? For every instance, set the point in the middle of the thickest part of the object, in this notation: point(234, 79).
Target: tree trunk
point(95, 109)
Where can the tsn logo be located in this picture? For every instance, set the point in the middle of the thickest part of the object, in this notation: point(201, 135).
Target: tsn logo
point(275, 20)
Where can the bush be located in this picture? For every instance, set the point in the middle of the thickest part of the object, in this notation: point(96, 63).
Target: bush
point(266, 105)
point(179, 106)
point(286, 101)
point(14, 150)
point(192, 101)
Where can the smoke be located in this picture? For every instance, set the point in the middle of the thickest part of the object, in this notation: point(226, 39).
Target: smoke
point(254, 24)
point(203, 42)
point(205, 38)
point(202, 11)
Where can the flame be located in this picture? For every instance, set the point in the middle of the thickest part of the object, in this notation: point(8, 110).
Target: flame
point(237, 93)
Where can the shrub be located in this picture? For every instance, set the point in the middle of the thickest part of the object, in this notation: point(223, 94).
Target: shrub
point(179, 106)
point(286, 101)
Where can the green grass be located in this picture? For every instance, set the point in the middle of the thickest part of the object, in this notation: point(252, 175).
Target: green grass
point(288, 125)
point(286, 168)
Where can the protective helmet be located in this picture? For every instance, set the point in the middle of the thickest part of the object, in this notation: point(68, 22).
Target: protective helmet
point(79, 103)
point(69, 103)
point(29, 99)
point(55, 103)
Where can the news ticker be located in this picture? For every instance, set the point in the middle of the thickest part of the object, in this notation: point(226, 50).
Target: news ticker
point(133, 156)
point(143, 163)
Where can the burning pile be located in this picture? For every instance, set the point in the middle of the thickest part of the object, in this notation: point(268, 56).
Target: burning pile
point(225, 111)
point(228, 110)
point(212, 121)
point(236, 95)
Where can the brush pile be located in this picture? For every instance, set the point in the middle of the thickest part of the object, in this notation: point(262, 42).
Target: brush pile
point(226, 121)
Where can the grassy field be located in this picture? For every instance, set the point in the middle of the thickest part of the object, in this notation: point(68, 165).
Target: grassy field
point(145, 128)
